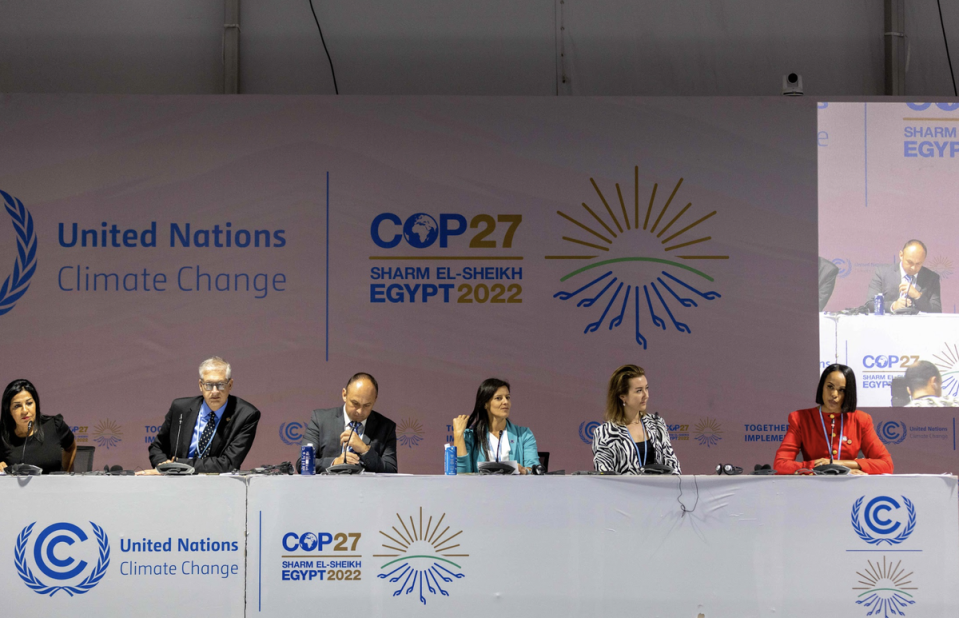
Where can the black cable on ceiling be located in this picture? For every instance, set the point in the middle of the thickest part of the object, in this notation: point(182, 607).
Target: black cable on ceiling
point(333, 73)
point(948, 57)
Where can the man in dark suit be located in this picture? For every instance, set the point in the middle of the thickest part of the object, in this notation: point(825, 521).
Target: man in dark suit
point(212, 433)
point(354, 433)
point(827, 281)
point(907, 286)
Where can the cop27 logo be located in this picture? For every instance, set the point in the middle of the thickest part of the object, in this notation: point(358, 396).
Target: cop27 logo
point(666, 281)
point(47, 557)
point(17, 284)
point(921, 107)
point(874, 516)
point(422, 559)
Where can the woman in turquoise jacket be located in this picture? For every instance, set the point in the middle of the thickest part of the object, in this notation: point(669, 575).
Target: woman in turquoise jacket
point(503, 441)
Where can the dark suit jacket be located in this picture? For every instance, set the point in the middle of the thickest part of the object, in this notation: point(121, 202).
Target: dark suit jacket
point(324, 432)
point(231, 442)
point(887, 280)
point(827, 281)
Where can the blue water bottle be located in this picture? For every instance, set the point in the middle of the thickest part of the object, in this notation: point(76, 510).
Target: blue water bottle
point(449, 453)
point(307, 460)
point(879, 310)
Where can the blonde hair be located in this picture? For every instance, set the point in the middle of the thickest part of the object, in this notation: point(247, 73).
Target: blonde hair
point(619, 386)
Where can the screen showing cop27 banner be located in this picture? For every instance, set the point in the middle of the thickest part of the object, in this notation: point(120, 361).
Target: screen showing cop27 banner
point(888, 187)
point(433, 242)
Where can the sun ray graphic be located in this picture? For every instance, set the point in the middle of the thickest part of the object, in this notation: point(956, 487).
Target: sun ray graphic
point(107, 433)
point(948, 363)
point(426, 561)
point(409, 432)
point(708, 432)
point(884, 589)
point(672, 280)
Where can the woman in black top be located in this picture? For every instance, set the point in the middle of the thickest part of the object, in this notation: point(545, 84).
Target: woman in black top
point(30, 437)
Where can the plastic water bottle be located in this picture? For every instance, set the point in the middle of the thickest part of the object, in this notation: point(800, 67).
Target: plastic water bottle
point(879, 310)
point(449, 455)
point(307, 460)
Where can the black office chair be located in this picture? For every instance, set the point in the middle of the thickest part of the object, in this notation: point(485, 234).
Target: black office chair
point(83, 462)
point(544, 460)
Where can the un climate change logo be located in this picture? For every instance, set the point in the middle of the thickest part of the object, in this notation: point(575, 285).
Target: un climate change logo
point(291, 433)
point(422, 559)
point(874, 516)
point(17, 284)
point(844, 266)
point(891, 432)
point(586, 431)
point(45, 550)
point(664, 281)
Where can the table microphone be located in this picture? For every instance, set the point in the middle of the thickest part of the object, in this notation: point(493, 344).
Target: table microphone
point(175, 468)
point(832, 467)
point(24, 469)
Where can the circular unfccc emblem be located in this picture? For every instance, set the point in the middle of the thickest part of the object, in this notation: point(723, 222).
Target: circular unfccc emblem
point(57, 567)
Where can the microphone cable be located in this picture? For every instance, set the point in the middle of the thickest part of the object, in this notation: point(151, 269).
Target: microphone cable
point(679, 497)
point(322, 40)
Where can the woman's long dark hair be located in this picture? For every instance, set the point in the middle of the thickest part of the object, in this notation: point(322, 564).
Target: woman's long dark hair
point(479, 419)
point(7, 424)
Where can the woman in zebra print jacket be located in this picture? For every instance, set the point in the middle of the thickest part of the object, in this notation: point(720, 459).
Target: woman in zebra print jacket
point(630, 438)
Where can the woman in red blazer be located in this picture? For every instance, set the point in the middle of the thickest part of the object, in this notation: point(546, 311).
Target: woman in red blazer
point(837, 426)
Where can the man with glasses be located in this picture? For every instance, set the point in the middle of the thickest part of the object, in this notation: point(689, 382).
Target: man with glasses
point(354, 433)
point(212, 433)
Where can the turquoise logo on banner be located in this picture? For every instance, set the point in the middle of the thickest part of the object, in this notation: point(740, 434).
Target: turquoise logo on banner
point(47, 558)
point(17, 283)
point(669, 280)
point(422, 560)
point(874, 525)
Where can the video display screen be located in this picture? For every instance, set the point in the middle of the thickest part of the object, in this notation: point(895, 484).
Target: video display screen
point(888, 219)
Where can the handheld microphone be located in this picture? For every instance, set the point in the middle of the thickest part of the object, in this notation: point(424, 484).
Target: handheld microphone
point(910, 280)
point(24, 469)
point(346, 444)
point(345, 468)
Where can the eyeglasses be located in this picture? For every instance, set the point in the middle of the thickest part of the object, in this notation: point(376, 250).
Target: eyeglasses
point(209, 386)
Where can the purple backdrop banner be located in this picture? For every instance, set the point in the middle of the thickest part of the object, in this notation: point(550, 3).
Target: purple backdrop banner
point(433, 242)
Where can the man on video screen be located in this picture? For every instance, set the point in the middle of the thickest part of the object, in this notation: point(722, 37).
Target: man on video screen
point(908, 286)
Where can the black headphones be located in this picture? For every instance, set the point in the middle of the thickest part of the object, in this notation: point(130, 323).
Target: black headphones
point(728, 469)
